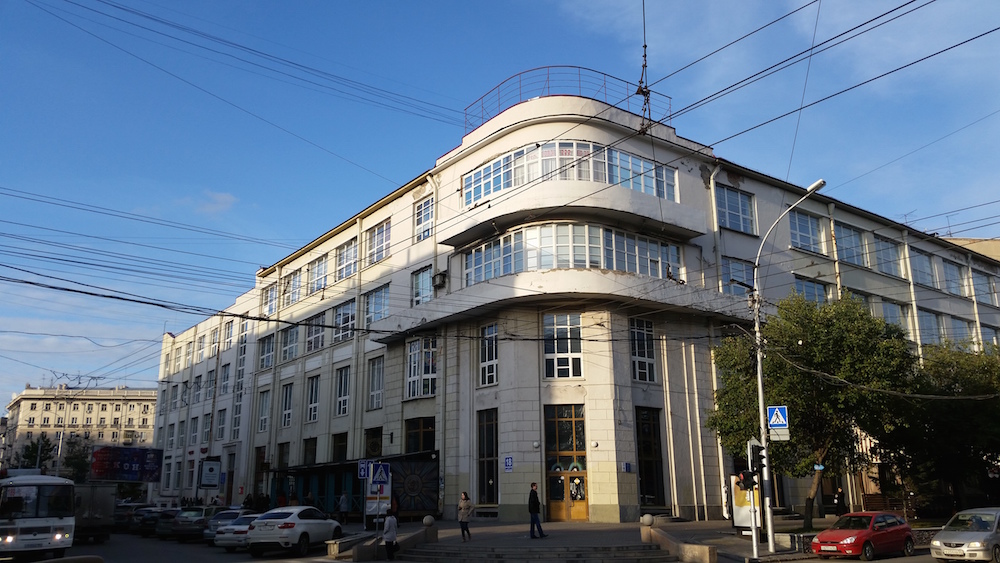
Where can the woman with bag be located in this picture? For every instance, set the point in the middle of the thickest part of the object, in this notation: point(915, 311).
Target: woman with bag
point(465, 508)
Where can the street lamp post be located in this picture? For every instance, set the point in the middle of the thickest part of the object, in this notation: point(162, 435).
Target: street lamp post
point(765, 470)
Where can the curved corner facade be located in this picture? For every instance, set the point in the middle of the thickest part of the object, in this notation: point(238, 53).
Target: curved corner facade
point(540, 306)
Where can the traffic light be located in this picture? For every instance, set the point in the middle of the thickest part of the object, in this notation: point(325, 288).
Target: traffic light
point(758, 459)
point(746, 480)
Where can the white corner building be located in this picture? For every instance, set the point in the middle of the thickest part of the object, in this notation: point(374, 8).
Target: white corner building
point(539, 306)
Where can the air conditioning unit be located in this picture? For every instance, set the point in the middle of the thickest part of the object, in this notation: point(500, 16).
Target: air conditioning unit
point(440, 279)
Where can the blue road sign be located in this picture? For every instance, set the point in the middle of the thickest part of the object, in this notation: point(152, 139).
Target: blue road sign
point(380, 474)
point(777, 417)
point(363, 469)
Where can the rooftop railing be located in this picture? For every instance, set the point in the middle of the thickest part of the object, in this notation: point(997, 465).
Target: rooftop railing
point(564, 80)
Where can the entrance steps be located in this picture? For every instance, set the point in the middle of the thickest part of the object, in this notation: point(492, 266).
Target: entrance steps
point(537, 552)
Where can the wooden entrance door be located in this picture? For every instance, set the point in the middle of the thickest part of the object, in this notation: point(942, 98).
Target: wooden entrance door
point(567, 496)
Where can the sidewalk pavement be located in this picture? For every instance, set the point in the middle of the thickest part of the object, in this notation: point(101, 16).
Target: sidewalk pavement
point(719, 533)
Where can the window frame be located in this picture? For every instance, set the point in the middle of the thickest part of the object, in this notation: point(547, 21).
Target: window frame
point(378, 242)
point(423, 218)
point(563, 345)
point(489, 360)
point(342, 400)
point(421, 373)
point(735, 209)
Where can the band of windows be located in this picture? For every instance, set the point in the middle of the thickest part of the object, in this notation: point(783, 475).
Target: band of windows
point(565, 245)
point(570, 160)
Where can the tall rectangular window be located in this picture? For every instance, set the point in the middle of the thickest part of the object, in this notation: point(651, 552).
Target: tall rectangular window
point(805, 232)
point(170, 436)
point(266, 351)
point(206, 427)
point(894, 313)
point(643, 349)
point(376, 382)
point(343, 321)
point(234, 434)
point(563, 345)
point(173, 398)
point(423, 218)
point(210, 385)
point(343, 376)
point(811, 290)
point(737, 276)
point(734, 209)
point(224, 379)
point(180, 431)
point(423, 291)
point(196, 389)
point(227, 335)
point(421, 376)
point(263, 410)
point(312, 399)
point(269, 300)
point(338, 447)
point(488, 456)
point(954, 278)
point(213, 347)
point(177, 359)
point(220, 424)
point(201, 348)
point(315, 332)
point(419, 434)
point(291, 288)
point(347, 259)
point(961, 329)
point(317, 275)
point(286, 405)
point(488, 360)
point(289, 343)
point(982, 284)
point(923, 268)
point(194, 430)
point(850, 244)
point(887, 256)
point(376, 304)
point(188, 354)
point(929, 327)
point(378, 242)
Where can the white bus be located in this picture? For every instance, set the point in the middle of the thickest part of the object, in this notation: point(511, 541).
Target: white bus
point(36, 515)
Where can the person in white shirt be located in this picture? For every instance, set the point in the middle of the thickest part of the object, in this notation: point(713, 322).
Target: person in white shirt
point(389, 535)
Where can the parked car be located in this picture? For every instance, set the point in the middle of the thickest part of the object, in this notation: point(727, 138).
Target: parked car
point(165, 523)
point(221, 519)
point(191, 521)
point(864, 535)
point(135, 521)
point(123, 514)
point(969, 535)
point(294, 528)
point(233, 535)
point(148, 519)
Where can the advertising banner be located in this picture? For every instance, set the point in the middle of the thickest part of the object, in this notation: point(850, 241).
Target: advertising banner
point(113, 463)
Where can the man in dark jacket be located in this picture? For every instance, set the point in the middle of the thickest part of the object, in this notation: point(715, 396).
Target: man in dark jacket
point(534, 507)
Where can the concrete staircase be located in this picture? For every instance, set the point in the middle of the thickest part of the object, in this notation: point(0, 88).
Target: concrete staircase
point(535, 553)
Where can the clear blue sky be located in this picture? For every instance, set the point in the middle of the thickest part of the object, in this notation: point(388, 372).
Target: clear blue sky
point(168, 149)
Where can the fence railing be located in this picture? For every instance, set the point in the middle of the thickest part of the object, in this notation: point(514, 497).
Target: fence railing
point(564, 80)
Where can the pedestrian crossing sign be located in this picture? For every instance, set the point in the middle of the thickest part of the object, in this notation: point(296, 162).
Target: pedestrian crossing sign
point(777, 417)
point(380, 473)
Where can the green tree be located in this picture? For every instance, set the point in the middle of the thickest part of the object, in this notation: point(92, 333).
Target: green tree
point(950, 429)
point(36, 453)
point(822, 361)
point(77, 458)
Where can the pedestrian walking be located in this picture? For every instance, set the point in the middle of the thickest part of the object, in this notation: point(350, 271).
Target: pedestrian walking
point(465, 508)
point(534, 508)
point(841, 502)
point(345, 507)
point(389, 535)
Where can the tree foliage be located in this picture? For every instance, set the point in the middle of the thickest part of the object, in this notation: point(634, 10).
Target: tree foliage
point(36, 453)
point(821, 360)
point(77, 458)
point(950, 430)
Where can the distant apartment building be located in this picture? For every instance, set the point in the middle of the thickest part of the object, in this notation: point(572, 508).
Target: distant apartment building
point(538, 306)
point(116, 416)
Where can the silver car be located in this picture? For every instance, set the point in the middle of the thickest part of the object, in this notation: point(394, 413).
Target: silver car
point(233, 535)
point(969, 535)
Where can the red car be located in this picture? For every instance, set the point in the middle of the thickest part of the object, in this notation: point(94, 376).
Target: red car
point(864, 535)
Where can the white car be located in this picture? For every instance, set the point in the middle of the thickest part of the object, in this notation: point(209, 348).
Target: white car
point(969, 535)
point(296, 528)
point(234, 534)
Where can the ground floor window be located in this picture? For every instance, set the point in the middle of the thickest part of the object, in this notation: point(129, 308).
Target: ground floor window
point(649, 456)
point(420, 434)
point(565, 438)
point(488, 456)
